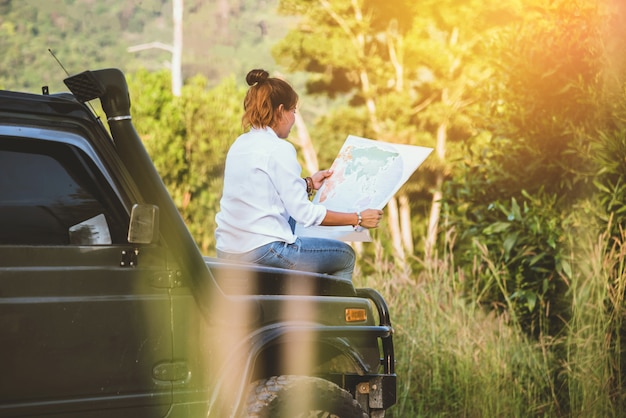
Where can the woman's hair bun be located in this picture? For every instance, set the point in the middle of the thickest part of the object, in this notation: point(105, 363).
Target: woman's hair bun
point(256, 76)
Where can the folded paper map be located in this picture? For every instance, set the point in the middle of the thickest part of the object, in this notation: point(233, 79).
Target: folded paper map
point(366, 174)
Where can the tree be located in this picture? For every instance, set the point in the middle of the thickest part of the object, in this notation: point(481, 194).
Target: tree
point(449, 45)
point(188, 138)
point(410, 66)
point(516, 200)
point(337, 51)
point(176, 48)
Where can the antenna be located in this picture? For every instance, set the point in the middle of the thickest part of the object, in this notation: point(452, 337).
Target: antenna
point(59, 62)
point(68, 74)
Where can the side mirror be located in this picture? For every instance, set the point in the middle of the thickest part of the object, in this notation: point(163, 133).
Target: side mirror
point(144, 224)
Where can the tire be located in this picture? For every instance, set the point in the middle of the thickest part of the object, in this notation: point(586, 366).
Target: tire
point(301, 397)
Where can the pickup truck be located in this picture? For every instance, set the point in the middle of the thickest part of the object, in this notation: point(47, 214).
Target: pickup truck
point(109, 309)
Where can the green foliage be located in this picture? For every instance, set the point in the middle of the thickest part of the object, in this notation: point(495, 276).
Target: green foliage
point(80, 35)
point(187, 138)
point(591, 378)
point(522, 242)
point(515, 196)
point(546, 97)
point(330, 131)
point(89, 34)
point(550, 60)
point(609, 153)
point(411, 70)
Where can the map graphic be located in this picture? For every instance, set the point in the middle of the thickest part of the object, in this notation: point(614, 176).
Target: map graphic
point(366, 174)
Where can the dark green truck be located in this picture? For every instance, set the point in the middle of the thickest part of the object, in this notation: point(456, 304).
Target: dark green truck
point(109, 309)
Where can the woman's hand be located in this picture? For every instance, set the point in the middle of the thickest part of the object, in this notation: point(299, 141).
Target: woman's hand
point(370, 218)
point(319, 177)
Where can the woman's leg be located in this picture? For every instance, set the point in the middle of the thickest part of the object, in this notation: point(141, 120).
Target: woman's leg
point(324, 255)
point(319, 255)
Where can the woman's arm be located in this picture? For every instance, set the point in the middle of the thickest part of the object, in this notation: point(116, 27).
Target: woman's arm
point(370, 218)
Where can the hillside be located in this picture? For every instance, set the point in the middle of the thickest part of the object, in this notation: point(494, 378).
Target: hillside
point(221, 37)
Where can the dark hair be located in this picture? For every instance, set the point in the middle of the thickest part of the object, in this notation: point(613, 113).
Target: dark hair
point(263, 98)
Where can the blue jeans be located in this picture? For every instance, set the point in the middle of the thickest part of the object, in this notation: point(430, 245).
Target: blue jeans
point(320, 255)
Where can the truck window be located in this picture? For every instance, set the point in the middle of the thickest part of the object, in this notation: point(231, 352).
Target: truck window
point(51, 194)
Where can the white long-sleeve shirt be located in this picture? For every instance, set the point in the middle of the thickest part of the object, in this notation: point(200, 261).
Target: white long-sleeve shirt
point(262, 189)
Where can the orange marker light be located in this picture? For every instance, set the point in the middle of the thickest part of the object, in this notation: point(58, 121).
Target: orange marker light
point(356, 315)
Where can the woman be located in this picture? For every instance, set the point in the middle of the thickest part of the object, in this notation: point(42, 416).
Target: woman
point(264, 193)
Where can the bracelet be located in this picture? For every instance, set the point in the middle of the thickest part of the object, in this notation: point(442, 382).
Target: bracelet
point(309, 185)
point(358, 221)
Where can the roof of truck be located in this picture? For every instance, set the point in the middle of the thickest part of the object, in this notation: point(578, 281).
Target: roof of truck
point(59, 104)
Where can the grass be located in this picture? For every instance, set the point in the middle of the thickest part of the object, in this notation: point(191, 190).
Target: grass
point(455, 359)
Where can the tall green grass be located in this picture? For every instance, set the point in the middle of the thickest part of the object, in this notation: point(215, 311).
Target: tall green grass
point(456, 358)
point(592, 363)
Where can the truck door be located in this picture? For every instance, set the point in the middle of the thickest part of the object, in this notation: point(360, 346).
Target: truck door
point(84, 321)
